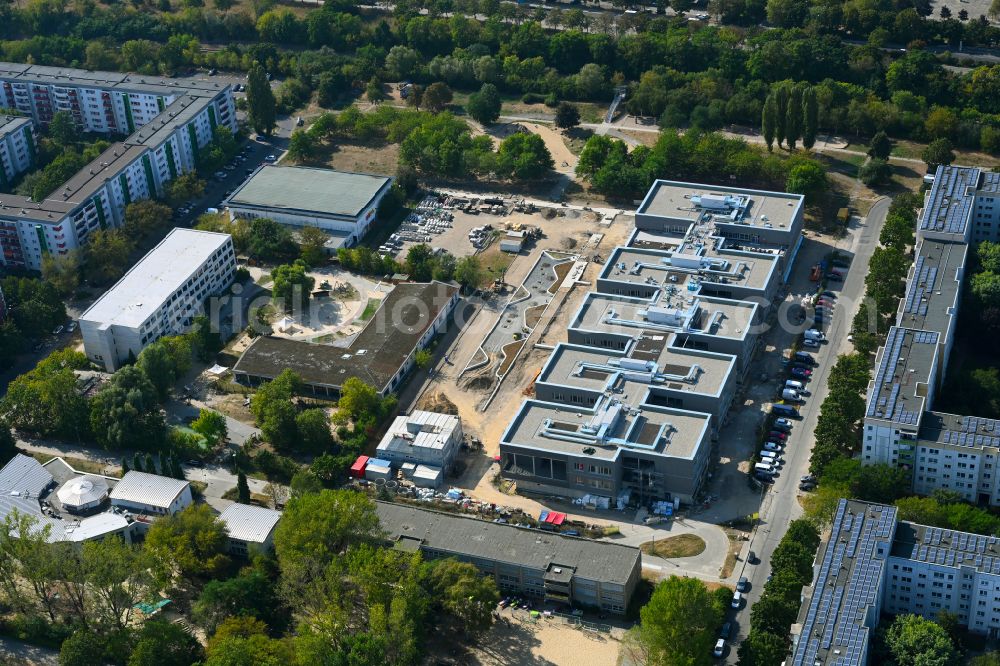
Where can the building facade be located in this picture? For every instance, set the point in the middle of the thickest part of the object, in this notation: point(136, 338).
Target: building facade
point(17, 148)
point(343, 204)
point(422, 438)
point(159, 296)
point(629, 409)
point(167, 124)
point(901, 426)
point(541, 565)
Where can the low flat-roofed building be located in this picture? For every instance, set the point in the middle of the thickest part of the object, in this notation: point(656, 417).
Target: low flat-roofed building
point(340, 202)
point(381, 355)
point(423, 438)
point(649, 370)
point(734, 274)
point(151, 494)
point(542, 565)
point(159, 296)
point(611, 449)
point(249, 528)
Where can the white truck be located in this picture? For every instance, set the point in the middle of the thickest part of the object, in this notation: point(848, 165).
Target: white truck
point(815, 335)
point(790, 394)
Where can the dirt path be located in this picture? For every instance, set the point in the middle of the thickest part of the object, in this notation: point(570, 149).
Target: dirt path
point(563, 157)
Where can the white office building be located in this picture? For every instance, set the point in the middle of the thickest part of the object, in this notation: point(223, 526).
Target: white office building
point(159, 296)
point(17, 148)
point(151, 494)
point(343, 204)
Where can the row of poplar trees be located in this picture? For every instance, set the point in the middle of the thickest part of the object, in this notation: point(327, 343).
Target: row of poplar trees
point(791, 112)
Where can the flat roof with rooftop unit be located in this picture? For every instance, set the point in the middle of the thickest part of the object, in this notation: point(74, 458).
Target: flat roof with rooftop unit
point(904, 377)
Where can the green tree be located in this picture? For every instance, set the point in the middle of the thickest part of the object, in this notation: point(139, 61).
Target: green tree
point(769, 121)
point(62, 130)
point(567, 115)
point(875, 171)
point(84, 647)
point(313, 426)
point(146, 216)
point(242, 489)
point(185, 187)
point(807, 178)
point(437, 96)
point(261, 105)
point(250, 594)
point(524, 157)
point(301, 146)
point(484, 106)
point(810, 117)
point(914, 640)
point(469, 272)
point(465, 593)
point(106, 255)
point(157, 364)
point(205, 338)
point(211, 425)
point(937, 152)
point(291, 285)
point(762, 649)
point(422, 358)
point(118, 575)
point(244, 642)
point(305, 481)
point(358, 399)
point(190, 543)
point(62, 272)
point(312, 246)
point(46, 400)
point(881, 146)
point(679, 624)
point(318, 527)
point(125, 413)
point(787, 13)
point(794, 116)
point(161, 643)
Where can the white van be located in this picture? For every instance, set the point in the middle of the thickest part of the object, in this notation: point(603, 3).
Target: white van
point(792, 384)
point(767, 468)
point(814, 334)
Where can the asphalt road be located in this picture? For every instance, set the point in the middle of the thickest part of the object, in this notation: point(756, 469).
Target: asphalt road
point(17, 652)
point(781, 504)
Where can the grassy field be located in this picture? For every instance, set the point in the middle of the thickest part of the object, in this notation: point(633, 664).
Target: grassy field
point(370, 309)
point(682, 545)
point(494, 263)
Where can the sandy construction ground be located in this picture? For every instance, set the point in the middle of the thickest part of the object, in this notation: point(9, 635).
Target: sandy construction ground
point(547, 642)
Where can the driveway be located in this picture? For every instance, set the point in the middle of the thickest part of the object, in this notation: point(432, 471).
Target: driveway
point(781, 504)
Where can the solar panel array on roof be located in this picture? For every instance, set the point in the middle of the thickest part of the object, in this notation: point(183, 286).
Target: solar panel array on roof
point(950, 548)
point(991, 182)
point(835, 629)
point(948, 207)
point(893, 345)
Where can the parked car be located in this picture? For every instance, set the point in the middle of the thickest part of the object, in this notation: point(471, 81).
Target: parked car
point(804, 357)
point(194, 463)
point(808, 477)
point(737, 599)
point(71, 326)
point(271, 158)
point(829, 294)
point(58, 329)
point(720, 646)
point(801, 372)
point(743, 585)
point(809, 343)
point(806, 486)
point(771, 446)
point(784, 425)
point(778, 435)
point(834, 277)
point(727, 628)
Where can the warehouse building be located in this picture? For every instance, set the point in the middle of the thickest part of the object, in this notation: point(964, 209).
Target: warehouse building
point(151, 494)
point(902, 427)
point(159, 296)
point(343, 204)
point(168, 124)
point(249, 528)
point(17, 148)
point(544, 566)
point(381, 355)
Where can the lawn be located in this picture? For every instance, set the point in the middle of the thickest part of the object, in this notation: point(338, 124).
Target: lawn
point(681, 545)
point(495, 263)
point(370, 309)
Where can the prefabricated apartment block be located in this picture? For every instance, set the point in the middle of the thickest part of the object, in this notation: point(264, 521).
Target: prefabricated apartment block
point(873, 563)
point(542, 565)
point(341, 203)
point(17, 147)
point(159, 296)
point(941, 450)
point(628, 408)
point(167, 122)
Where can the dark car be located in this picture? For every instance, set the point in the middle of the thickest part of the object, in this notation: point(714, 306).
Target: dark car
point(805, 357)
point(726, 629)
point(806, 486)
point(752, 558)
point(834, 277)
point(743, 585)
point(828, 294)
point(781, 427)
